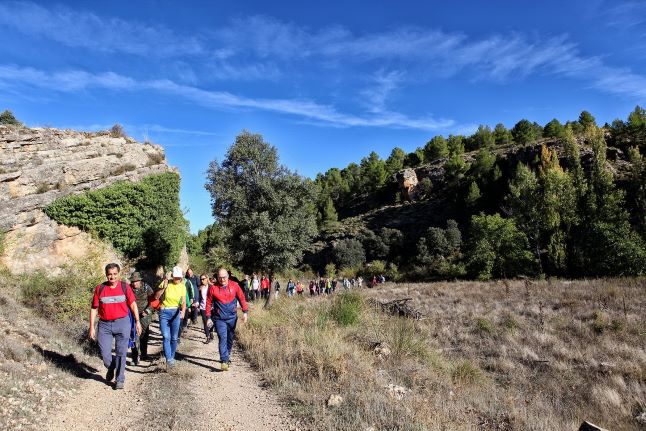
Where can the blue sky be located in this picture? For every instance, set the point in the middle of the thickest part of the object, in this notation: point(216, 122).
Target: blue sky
point(325, 82)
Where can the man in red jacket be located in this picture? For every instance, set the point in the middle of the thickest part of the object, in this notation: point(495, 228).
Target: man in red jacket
point(111, 301)
point(221, 299)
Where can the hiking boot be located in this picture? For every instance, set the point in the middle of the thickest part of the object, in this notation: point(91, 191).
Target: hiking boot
point(109, 376)
point(224, 366)
point(170, 366)
point(208, 340)
point(119, 385)
point(135, 360)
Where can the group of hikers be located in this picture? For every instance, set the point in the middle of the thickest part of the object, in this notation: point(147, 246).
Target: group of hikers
point(260, 286)
point(125, 310)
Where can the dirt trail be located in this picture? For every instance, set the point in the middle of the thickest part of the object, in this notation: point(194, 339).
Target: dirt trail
point(195, 395)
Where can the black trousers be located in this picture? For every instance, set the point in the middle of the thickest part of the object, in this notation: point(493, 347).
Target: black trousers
point(208, 332)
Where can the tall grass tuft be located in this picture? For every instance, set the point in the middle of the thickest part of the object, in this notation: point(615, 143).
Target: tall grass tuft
point(346, 309)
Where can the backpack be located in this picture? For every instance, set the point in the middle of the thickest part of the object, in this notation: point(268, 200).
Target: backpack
point(155, 304)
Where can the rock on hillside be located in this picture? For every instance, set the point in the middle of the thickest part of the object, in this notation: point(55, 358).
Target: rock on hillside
point(40, 165)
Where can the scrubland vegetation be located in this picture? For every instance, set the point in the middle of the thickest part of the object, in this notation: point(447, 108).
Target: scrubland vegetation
point(493, 356)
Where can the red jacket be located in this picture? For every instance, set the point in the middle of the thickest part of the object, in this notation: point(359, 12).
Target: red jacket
point(225, 300)
point(264, 284)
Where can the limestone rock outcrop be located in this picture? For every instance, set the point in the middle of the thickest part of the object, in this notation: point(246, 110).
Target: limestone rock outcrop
point(407, 181)
point(39, 165)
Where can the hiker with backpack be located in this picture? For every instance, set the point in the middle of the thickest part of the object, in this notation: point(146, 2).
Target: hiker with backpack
point(142, 292)
point(113, 300)
point(173, 306)
point(221, 311)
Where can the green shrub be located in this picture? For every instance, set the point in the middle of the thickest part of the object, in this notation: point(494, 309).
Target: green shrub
point(510, 323)
point(60, 298)
point(142, 220)
point(484, 326)
point(466, 372)
point(600, 322)
point(346, 309)
point(406, 340)
point(7, 117)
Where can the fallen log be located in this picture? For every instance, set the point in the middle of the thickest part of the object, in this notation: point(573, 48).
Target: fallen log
point(399, 307)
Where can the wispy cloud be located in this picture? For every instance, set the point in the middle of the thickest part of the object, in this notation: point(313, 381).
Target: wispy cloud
point(382, 85)
point(87, 30)
point(626, 16)
point(141, 129)
point(256, 48)
point(73, 81)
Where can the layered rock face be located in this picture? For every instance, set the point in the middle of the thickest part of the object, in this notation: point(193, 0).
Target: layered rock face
point(39, 165)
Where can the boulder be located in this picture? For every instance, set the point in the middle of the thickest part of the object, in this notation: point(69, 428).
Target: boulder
point(407, 181)
point(382, 350)
point(334, 400)
point(397, 392)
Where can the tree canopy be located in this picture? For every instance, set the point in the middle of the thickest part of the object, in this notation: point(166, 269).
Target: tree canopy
point(266, 211)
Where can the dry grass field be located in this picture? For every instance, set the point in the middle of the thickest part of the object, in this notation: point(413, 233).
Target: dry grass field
point(510, 355)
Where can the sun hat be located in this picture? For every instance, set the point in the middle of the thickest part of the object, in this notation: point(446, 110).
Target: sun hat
point(177, 272)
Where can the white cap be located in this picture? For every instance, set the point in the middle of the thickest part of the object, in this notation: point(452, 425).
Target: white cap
point(177, 272)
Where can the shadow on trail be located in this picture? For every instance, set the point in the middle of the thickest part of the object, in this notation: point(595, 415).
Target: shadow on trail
point(136, 369)
point(192, 360)
point(70, 364)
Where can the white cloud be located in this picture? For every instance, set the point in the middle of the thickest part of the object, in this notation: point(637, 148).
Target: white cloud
point(383, 84)
point(72, 81)
point(86, 30)
point(259, 48)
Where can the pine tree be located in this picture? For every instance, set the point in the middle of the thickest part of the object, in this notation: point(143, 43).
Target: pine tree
point(473, 195)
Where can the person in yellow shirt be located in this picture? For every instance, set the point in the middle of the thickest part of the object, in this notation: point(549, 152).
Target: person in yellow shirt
point(173, 307)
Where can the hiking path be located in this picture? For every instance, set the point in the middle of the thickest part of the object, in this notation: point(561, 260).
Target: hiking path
point(194, 395)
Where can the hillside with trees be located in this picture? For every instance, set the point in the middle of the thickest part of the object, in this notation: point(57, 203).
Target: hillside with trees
point(554, 200)
point(563, 199)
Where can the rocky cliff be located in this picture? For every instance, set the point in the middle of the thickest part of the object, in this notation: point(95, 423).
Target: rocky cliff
point(39, 165)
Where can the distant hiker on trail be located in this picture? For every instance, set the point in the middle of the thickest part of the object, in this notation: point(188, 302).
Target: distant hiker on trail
point(221, 299)
point(172, 312)
point(321, 287)
point(142, 292)
point(276, 288)
point(264, 287)
point(205, 284)
point(299, 288)
point(255, 286)
point(373, 282)
point(245, 287)
point(359, 282)
point(290, 288)
point(312, 287)
point(112, 301)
